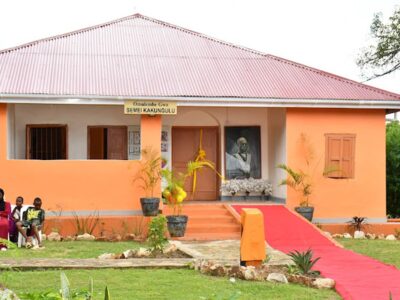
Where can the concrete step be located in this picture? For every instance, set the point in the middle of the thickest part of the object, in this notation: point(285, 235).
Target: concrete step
point(209, 237)
point(214, 228)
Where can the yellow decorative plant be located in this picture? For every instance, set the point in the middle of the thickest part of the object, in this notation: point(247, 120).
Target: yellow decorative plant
point(174, 192)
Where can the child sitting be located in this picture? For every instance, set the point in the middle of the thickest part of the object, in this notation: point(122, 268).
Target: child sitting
point(15, 217)
point(33, 220)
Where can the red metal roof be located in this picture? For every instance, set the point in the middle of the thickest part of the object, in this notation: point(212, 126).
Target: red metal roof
point(140, 56)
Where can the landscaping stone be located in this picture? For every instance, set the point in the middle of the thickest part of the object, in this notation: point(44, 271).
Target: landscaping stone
point(324, 283)
point(359, 234)
point(390, 237)
point(44, 237)
point(327, 234)
point(381, 236)
point(85, 237)
point(107, 256)
point(250, 273)
point(54, 236)
point(143, 252)
point(128, 253)
point(337, 236)
point(347, 236)
point(301, 279)
point(170, 248)
point(277, 277)
point(217, 270)
point(6, 294)
point(232, 280)
point(370, 236)
point(101, 238)
point(234, 271)
point(130, 237)
point(114, 238)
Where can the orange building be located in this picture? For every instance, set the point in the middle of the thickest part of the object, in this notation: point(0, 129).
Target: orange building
point(64, 135)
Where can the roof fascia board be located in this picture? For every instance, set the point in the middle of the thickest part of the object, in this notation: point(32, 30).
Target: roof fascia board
point(203, 101)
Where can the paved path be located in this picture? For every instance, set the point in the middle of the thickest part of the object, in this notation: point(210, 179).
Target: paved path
point(223, 252)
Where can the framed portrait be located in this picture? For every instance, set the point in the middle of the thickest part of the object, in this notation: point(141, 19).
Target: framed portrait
point(242, 152)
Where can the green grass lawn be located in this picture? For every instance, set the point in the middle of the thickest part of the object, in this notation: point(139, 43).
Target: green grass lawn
point(159, 284)
point(385, 251)
point(73, 249)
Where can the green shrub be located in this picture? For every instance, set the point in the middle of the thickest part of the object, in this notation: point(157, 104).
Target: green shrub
point(157, 232)
point(393, 169)
point(86, 224)
point(304, 262)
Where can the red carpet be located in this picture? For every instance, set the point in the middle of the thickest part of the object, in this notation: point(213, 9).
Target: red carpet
point(356, 276)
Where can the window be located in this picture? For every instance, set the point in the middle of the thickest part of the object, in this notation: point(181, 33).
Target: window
point(46, 142)
point(107, 142)
point(339, 155)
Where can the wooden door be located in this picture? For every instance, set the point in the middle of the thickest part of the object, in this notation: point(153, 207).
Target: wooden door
point(117, 142)
point(96, 143)
point(185, 147)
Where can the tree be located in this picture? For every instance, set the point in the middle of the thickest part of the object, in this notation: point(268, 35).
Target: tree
point(383, 55)
point(393, 169)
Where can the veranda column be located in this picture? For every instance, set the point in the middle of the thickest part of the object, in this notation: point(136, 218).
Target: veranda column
point(150, 132)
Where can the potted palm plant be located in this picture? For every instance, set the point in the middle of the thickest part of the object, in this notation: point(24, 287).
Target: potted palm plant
point(301, 183)
point(175, 194)
point(149, 175)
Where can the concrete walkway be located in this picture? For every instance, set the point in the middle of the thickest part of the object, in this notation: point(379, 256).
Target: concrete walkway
point(222, 252)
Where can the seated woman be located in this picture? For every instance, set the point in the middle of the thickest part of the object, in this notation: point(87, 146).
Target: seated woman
point(5, 211)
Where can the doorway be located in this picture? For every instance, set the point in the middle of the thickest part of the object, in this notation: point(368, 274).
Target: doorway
point(185, 147)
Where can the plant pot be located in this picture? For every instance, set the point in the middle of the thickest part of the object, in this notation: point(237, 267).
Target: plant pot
point(305, 211)
point(150, 206)
point(177, 225)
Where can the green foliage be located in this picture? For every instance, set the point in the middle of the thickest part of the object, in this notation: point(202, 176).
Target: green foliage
point(107, 294)
point(384, 52)
point(358, 223)
point(149, 173)
point(157, 232)
point(65, 292)
point(393, 169)
point(299, 181)
point(86, 224)
point(8, 244)
point(304, 261)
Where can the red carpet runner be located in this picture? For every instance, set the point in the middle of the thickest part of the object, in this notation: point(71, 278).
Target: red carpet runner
point(356, 276)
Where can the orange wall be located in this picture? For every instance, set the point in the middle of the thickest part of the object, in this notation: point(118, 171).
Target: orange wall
point(365, 194)
point(76, 185)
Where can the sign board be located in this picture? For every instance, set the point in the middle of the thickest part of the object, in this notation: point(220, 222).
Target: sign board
point(140, 107)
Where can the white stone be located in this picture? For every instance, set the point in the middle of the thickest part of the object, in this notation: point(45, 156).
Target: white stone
point(129, 253)
point(347, 236)
point(6, 294)
point(390, 237)
point(85, 237)
point(359, 234)
point(232, 280)
point(381, 236)
point(277, 277)
point(54, 236)
point(143, 252)
point(337, 236)
point(170, 248)
point(370, 236)
point(324, 283)
point(249, 273)
point(44, 237)
point(328, 234)
point(106, 256)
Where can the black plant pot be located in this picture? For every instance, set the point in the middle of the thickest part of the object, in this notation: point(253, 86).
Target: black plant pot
point(305, 211)
point(150, 206)
point(177, 225)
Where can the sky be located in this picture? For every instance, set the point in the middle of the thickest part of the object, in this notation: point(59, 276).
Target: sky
point(327, 35)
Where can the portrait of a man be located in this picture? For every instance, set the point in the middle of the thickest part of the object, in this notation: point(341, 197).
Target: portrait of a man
point(242, 157)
